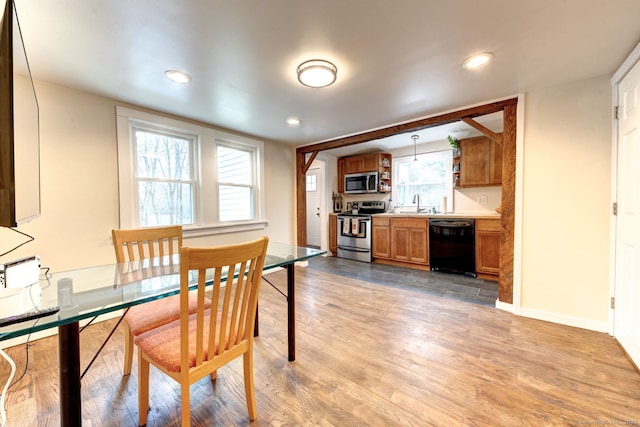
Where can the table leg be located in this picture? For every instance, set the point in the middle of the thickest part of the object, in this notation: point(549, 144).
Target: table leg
point(291, 310)
point(69, 361)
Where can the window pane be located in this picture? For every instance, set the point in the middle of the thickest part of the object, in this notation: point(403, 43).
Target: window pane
point(235, 165)
point(311, 183)
point(165, 203)
point(162, 156)
point(236, 203)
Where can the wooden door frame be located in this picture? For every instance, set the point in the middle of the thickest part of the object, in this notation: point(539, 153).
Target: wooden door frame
point(305, 156)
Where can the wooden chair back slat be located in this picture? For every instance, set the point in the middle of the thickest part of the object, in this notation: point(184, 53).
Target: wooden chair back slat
point(144, 243)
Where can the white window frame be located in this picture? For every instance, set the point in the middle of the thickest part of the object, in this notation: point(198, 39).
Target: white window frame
point(448, 178)
point(206, 220)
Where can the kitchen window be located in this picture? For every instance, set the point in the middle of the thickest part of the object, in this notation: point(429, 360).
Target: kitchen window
point(172, 172)
point(429, 176)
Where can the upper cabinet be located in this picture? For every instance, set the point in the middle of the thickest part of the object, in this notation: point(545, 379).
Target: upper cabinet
point(357, 164)
point(479, 163)
point(376, 162)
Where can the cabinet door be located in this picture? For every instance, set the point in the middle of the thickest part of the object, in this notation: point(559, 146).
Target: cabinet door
point(341, 172)
point(353, 164)
point(495, 165)
point(400, 243)
point(381, 238)
point(409, 240)
point(488, 252)
point(333, 234)
point(370, 163)
point(418, 245)
point(474, 161)
point(488, 246)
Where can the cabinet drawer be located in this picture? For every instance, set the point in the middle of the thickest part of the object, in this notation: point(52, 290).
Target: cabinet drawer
point(381, 221)
point(483, 224)
point(409, 222)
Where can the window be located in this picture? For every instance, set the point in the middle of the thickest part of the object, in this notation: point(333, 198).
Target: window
point(178, 173)
point(312, 184)
point(163, 178)
point(236, 183)
point(429, 176)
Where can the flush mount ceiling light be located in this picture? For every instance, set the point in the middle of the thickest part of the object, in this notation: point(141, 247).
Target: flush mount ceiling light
point(415, 154)
point(476, 61)
point(177, 76)
point(317, 73)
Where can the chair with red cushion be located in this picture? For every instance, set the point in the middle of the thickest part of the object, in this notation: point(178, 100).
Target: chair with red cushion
point(197, 345)
point(148, 243)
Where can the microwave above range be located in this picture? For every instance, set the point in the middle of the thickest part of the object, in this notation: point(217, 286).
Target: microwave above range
point(359, 183)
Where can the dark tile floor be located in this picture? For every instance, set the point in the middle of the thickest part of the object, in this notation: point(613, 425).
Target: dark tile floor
point(445, 285)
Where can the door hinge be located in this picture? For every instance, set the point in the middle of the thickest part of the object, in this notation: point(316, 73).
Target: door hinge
point(615, 208)
point(615, 112)
point(613, 303)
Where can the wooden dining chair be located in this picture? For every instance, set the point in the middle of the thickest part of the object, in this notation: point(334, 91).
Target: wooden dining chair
point(197, 345)
point(147, 243)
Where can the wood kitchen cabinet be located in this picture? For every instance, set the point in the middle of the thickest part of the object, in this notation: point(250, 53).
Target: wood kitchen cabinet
point(333, 233)
point(341, 169)
point(409, 240)
point(381, 240)
point(480, 162)
point(488, 248)
point(376, 162)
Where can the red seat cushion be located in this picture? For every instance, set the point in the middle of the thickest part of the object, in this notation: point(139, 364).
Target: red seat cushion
point(150, 315)
point(162, 344)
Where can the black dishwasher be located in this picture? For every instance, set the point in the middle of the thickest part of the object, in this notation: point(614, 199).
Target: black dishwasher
point(452, 246)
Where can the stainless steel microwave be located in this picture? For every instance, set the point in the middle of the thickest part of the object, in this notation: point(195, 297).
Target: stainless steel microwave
point(357, 183)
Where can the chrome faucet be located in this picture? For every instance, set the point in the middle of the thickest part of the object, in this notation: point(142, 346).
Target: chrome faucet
point(416, 199)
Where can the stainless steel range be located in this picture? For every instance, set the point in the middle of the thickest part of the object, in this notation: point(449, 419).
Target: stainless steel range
point(354, 231)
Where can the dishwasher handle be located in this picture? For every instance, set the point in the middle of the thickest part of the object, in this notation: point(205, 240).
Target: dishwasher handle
point(451, 223)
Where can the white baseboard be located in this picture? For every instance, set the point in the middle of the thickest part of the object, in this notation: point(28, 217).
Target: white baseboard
point(563, 319)
point(504, 306)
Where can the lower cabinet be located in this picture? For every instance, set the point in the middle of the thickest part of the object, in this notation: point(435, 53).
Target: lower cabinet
point(409, 240)
point(333, 233)
point(405, 241)
point(401, 239)
point(488, 248)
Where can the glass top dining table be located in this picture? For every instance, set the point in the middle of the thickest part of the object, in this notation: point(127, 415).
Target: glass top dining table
point(89, 292)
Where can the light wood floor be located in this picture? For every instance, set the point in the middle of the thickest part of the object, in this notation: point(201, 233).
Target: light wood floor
point(366, 355)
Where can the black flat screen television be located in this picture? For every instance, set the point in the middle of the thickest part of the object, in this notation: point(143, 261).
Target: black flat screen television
point(19, 127)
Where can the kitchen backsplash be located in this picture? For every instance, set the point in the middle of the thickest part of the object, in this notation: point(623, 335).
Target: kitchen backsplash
point(465, 200)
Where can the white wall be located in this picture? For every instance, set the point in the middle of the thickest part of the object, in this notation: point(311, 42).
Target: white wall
point(80, 186)
point(566, 203)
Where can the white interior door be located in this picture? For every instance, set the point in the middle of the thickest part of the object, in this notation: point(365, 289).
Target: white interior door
point(313, 207)
point(627, 264)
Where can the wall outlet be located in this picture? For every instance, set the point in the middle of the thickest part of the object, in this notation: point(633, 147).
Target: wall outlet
point(483, 200)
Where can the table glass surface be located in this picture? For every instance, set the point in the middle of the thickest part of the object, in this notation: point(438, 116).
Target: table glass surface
point(89, 292)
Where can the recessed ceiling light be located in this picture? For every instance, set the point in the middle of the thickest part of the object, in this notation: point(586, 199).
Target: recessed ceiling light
point(293, 121)
point(177, 76)
point(317, 73)
point(479, 60)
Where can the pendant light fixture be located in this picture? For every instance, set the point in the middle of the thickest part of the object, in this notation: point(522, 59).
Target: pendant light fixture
point(415, 138)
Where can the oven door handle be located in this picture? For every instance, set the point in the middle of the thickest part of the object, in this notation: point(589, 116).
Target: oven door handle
point(354, 249)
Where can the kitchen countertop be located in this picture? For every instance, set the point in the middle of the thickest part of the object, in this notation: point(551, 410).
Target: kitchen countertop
point(440, 215)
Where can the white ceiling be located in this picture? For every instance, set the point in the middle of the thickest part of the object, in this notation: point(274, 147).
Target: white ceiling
point(397, 60)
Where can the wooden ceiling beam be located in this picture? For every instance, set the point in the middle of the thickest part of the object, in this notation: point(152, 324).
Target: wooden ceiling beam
point(310, 160)
point(412, 126)
point(487, 132)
